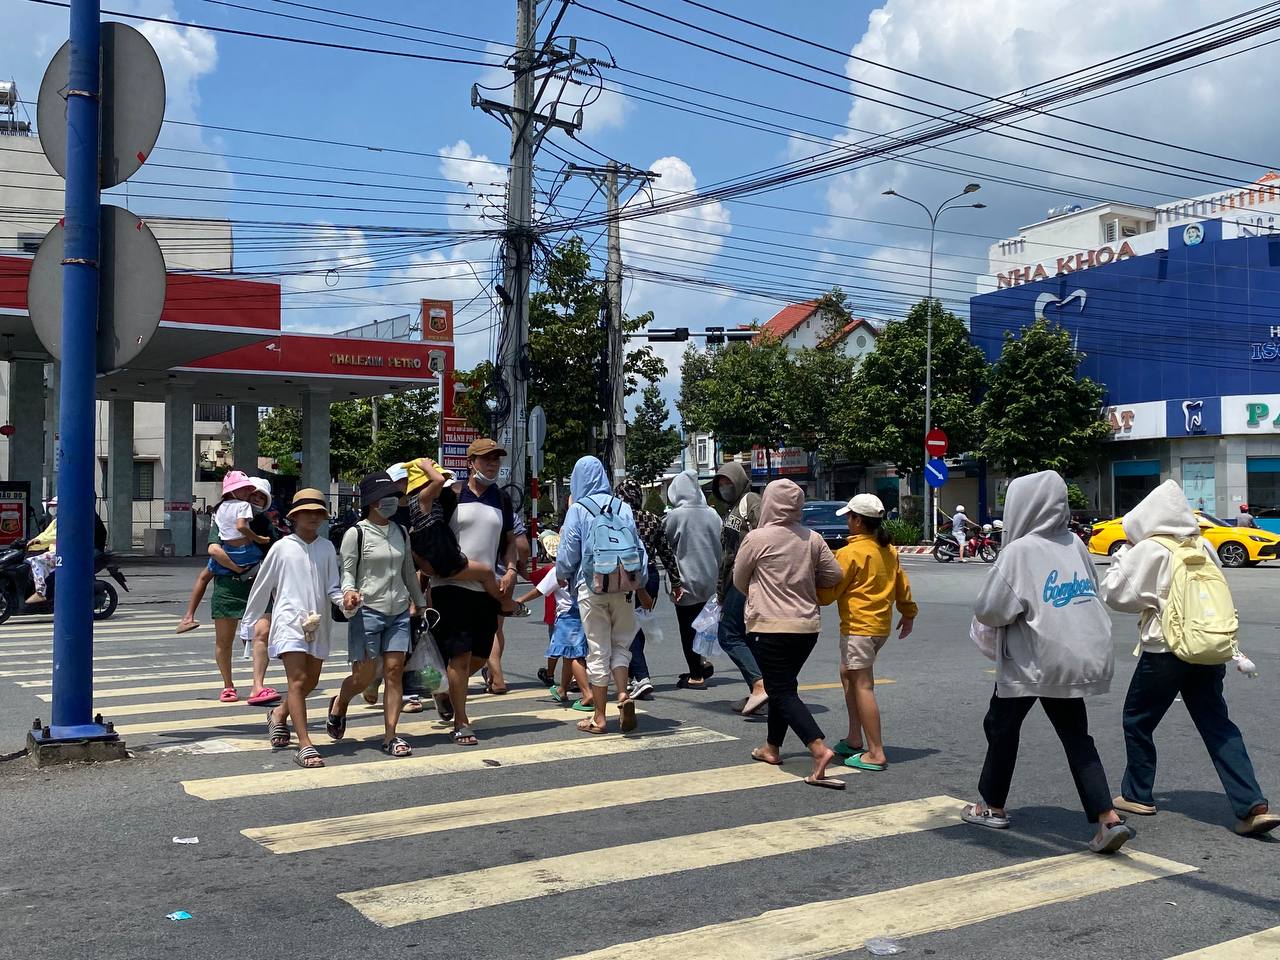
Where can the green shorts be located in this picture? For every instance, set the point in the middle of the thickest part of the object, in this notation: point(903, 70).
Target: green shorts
point(229, 597)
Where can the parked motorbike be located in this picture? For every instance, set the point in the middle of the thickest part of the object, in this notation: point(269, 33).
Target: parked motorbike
point(1082, 530)
point(984, 544)
point(16, 584)
point(945, 548)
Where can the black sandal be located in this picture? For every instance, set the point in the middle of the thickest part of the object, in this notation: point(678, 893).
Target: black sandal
point(397, 747)
point(444, 706)
point(277, 731)
point(687, 682)
point(335, 726)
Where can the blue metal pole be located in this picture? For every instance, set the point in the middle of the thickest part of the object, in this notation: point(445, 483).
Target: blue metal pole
point(73, 600)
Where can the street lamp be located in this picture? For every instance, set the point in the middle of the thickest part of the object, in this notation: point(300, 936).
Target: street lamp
point(928, 357)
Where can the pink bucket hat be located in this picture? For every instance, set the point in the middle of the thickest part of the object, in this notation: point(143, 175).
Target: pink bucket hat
point(235, 480)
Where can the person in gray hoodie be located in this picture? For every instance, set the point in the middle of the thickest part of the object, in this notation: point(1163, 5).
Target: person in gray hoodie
point(1054, 646)
point(1138, 582)
point(693, 529)
point(732, 485)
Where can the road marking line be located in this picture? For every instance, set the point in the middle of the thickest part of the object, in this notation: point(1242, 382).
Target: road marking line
point(400, 903)
point(828, 928)
point(254, 717)
point(880, 681)
point(209, 671)
point(154, 628)
point(405, 768)
point(98, 637)
point(505, 808)
point(123, 711)
point(123, 656)
point(213, 685)
point(1255, 946)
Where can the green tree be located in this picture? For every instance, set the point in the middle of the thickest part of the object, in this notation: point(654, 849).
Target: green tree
point(695, 370)
point(280, 437)
point(651, 443)
point(1038, 414)
point(886, 423)
point(833, 306)
point(745, 396)
point(819, 393)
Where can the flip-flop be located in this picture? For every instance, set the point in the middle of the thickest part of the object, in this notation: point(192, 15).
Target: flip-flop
point(412, 705)
point(627, 713)
point(464, 736)
point(842, 749)
point(397, 747)
point(265, 696)
point(558, 696)
point(277, 732)
point(544, 677)
point(757, 755)
point(187, 627)
point(229, 695)
point(582, 707)
point(857, 763)
point(984, 819)
point(306, 754)
point(831, 783)
point(334, 725)
point(588, 725)
point(1113, 838)
point(444, 706)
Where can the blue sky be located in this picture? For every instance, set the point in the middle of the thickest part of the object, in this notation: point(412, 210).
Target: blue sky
point(838, 229)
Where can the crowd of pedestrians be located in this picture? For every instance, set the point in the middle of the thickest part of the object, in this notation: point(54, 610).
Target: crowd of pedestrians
point(432, 560)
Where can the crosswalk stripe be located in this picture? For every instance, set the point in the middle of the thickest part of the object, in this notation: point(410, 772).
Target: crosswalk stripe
point(213, 684)
point(34, 667)
point(505, 808)
point(151, 628)
point(123, 711)
point(835, 927)
point(255, 717)
point(400, 903)
point(1255, 946)
point(44, 644)
point(405, 768)
point(209, 671)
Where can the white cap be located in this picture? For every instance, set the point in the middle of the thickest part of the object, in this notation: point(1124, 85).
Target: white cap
point(864, 505)
point(262, 485)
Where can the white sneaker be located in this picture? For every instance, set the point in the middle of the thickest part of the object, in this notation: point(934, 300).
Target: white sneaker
point(640, 689)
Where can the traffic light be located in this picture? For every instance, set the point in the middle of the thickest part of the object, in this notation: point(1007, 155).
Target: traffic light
point(668, 335)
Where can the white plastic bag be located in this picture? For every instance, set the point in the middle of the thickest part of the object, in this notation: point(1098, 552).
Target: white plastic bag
point(425, 667)
point(706, 630)
point(987, 639)
point(647, 623)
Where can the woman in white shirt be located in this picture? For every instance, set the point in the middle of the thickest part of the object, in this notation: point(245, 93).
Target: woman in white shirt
point(298, 580)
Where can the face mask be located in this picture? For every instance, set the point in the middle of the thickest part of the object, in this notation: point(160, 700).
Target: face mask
point(483, 480)
point(387, 506)
point(257, 509)
point(727, 493)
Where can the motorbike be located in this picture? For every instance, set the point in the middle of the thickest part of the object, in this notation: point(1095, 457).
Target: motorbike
point(1082, 530)
point(16, 585)
point(984, 544)
point(945, 548)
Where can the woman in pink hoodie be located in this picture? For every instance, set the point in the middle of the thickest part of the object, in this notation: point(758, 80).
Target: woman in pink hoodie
point(779, 567)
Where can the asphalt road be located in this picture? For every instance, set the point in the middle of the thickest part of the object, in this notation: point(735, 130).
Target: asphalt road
point(665, 844)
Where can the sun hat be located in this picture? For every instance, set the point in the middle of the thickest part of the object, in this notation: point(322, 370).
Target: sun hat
point(235, 480)
point(308, 498)
point(483, 446)
point(262, 485)
point(864, 505)
point(416, 478)
point(376, 486)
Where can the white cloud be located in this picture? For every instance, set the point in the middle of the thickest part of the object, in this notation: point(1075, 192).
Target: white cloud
point(484, 180)
point(608, 113)
point(995, 47)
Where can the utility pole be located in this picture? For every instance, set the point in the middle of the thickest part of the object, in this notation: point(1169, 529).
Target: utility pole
point(612, 180)
point(528, 127)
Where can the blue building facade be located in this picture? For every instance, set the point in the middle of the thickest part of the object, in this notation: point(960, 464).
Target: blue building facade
point(1186, 342)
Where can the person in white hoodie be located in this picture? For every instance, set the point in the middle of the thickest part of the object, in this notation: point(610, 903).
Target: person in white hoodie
point(693, 529)
point(1054, 646)
point(1138, 582)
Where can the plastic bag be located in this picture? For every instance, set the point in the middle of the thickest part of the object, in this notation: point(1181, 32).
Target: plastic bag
point(706, 630)
point(987, 639)
point(424, 670)
point(647, 623)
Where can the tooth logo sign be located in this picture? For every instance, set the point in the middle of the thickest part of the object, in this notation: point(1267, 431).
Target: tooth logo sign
point(1049, 300)
point(1193, 415)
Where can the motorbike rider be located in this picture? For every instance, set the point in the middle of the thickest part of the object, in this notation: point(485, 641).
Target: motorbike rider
point(959, 524)
point(43, 550)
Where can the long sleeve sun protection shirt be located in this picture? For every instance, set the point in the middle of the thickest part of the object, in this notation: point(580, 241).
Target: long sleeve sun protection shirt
point(574, 557)
point(781, 564)
point(1043, 590)
point(694, 530)
point(388, 580)
point(873, 584)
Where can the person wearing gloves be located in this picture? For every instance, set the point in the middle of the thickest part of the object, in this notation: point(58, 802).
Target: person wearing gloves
point(298, 580)
point(732, 485)
point(694, 531)
point(1042, 594)
point(608, 618)
point(779, 568)
point(380, 592)
point(1138, 582)
point(873, 584)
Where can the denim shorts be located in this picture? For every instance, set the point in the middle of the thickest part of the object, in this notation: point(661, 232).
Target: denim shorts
point(370, 634)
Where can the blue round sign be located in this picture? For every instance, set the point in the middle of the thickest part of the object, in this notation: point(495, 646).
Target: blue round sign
point(935, 472)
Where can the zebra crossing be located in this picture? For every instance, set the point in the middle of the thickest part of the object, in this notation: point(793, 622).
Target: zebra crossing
point(162, 695)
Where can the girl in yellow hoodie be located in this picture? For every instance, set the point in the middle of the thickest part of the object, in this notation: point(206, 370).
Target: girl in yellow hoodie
point(873, 583)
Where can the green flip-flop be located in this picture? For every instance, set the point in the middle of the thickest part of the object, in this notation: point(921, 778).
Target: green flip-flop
point(581, 707)
point(842, 749)
point(857, 763)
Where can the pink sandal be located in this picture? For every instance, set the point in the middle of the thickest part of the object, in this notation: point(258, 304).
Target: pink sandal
point(229, 695)
point(263, 697)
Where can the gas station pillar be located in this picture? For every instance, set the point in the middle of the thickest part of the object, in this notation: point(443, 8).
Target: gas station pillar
point(119, 490)
point(179, 464)
point(26, 413)
point(315, 439)
point(244, 437)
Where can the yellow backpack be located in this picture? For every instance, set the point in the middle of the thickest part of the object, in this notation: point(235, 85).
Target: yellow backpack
point(1199, 619)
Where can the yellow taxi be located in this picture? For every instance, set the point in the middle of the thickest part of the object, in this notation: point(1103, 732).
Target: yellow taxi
point(1236, 546)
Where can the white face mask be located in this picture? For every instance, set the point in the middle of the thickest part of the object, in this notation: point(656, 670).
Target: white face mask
point(483, 480)
point(388, 506)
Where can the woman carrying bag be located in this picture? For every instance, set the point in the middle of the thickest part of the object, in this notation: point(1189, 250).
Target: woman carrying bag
point(380, 593)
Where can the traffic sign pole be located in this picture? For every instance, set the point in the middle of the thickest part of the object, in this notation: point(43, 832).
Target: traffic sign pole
point(73, 602)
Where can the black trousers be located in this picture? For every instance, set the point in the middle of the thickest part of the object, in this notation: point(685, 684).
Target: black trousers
point(1003, 725)
point(781, 656)
point(685, 615)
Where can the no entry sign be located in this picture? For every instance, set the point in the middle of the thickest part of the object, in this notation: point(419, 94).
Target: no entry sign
point(935, 443)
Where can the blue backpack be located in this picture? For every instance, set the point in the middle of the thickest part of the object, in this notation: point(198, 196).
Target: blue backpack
point(615, 549)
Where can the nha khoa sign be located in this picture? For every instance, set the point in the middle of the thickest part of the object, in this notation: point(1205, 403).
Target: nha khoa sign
point(1071, 263)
